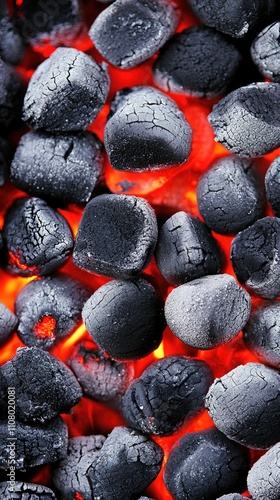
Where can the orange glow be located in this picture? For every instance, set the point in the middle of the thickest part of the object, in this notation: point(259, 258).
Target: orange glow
point(78, 496)
point(159, 352)
point(45, 328)
point(65, 348)
point(14, 259)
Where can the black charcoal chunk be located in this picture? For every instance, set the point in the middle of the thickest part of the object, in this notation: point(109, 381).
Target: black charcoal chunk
point(10, 95)
point(207, 312)
point(8, 322)
point(264, 477)
point(128, 32)
point(198, 61)
point(145, 498)
point(125, 466)
point(60, 168)
point(66, 92)
point(245, 405)
point(230, 195)
point(11, 43)
point(147, 131)
point(272, 186)
point(49, 309)
point(204, 465)
point(125, 318)
point(38, 239)
point(231, 496)
point(265, 52)
point(117, 236)
point(186, 250)
point(166, 395)
point(247, 121)
point(25, 491)
point(5, 160)
point(254, 256)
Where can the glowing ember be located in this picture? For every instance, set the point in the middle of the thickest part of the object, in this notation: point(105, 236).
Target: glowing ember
point(45, 328)
point(14, 259)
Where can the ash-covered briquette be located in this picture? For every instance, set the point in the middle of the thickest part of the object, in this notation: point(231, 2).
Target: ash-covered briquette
point(254, 256)
point(62, 168)
point(37, 239)
point(8, 322)
point(49, 309)
point(204, 465)
point(207, 312)
point(186, 250)
point(117, 236)
point(272, 186)
point(11, 44)
point(230, 195)
point(166, 395)
point(44, 386)
point(198, 61)
point(231, 496)
point(265, 52)
point(128, 32)
point(125, 318)
point(5, 160)
point(247, 121)
point(66, 92)
point(11, 93)
point(264, 478)
point(25, 491)
point(146, 131)
point(245, 405)
point(125, 466)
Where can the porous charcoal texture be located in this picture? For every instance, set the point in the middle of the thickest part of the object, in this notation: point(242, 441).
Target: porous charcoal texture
point(254, 256)
point(265, 52)
point(44, 385)
point(186, 250)
point(11, 44)
point(198, 61)
point(272, 186)
point(128, 32)
point(10, 94)
point(5, 160)
point(167, 394)
point(245, 405)
point(59, 168)
point(231, 496)
point(25, 491)
point(38, 240)
point(264, 477)
point(262, 333)
point(66, 92)
point(147, 131)
point(203, 465)
point(125, 466)
point(125, 318)
point(8, 322)
point(230, 195)
point(247, 121)
point(207, 312)
point(34, 444)
point(117, 236)
point(49, 309)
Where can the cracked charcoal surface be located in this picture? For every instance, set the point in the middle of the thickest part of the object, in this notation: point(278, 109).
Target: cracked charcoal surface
point(205, 465)
point(11, 44)
point(44, 385)
point(8, 322)
point(128, 32)
point(60, 168)
point(125, 454)
point(272, 186)
point(207, 312)
point(230, 195)
point(26, 491)
point(35, 444)
point(231, 496)
point(265, 52)
point(10, 94)
point(186, 250)
point(125, 318)
point(66, 92)
point(264, 477)
point(245, 404)
point(146, 131)
point(198, 61)
point(37, 238)
point(242, 123)
point(5, 160)
point(254, 256)
point(49, 309)
point(117, 236)
point(166, 395)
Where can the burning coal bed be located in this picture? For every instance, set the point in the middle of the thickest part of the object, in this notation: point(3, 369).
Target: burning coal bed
point(140, 250)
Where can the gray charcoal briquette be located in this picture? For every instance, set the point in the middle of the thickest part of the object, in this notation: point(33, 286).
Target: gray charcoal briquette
point(231, 496)
point(272, 185)
point(265, 52)
point(25, 491)
point(11, 93)
point(8, 322)
point(11, 43)
point(264, 477)
point(5, 160)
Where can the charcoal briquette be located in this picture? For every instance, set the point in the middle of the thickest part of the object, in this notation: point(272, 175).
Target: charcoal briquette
point(265, 52)
point(8, 322)
point(5, 160)
point(169, 392)
point(11, 43)
point(264, 477)
point(272, 186)
point(231, 496)
point(25, 491)
point(125, 318)
point(207, 312)
point(146, 131)
point(245, 405)
point(117, 236)
point(10, 94)
point(66, 92)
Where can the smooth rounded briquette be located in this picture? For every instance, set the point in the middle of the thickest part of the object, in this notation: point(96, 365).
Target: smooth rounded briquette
point(8, 322)
point(117, 236)
point(11, 93)
point(11, 43)
point(66, 92)
point(5, 160)
point(146, 131)
point(204, 465)
point(125, 318)
point(247, 121)
point(230, 195)
point(25, 491)
point(245, 405)
point(127, 32)
point(231, 496)
point(169, 392)
point(265, 52)
point(272, 185)
point(264, 477)
point(207, 312)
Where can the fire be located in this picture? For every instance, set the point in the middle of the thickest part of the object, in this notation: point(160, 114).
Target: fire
point(14, 259)
point(45, 327)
